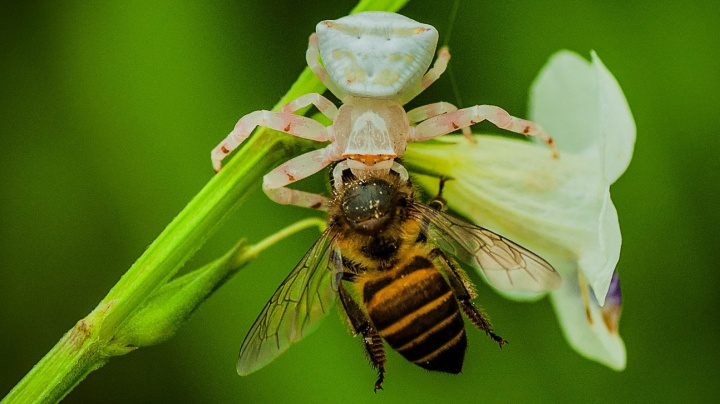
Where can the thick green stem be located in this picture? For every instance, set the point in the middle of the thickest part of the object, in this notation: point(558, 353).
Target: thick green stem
point(194, 225)
point(70, 360)
point(90, 343)
point(173, 304)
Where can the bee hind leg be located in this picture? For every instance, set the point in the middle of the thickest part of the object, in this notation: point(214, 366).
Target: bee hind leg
point(376, 352)
point(464, 292)
point(480, 320)
point(371, 338)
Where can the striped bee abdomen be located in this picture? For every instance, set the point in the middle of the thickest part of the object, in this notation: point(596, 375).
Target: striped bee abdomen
point(414, 309)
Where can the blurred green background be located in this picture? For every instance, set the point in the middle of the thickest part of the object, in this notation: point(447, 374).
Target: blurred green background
point(108, 112)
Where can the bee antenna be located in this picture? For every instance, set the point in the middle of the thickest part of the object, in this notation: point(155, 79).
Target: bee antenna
point(441, 186)
point(438, 202)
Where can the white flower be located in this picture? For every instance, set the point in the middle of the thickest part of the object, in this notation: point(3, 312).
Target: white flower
point(558, 208)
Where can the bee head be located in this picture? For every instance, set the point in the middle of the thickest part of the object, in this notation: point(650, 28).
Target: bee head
point(369, 204)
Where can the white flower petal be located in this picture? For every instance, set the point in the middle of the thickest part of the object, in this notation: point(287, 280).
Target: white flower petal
point(594, 341)
point(617, 126)
point(581, 104)
point(516, 189)
point(599, 259)
point(558, 208)
point(563, 99)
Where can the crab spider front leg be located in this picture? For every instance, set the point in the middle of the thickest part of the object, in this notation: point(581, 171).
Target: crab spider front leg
point(465, 117)
point(432, 110)
point(296, 169)
point(292, 124)
point(311, 56)
point(429, 77)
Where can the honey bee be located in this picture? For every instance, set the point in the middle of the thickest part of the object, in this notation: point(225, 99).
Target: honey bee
point(386, 256)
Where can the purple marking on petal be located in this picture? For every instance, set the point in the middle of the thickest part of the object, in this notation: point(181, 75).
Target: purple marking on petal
point(614, 296)
point(613, 305)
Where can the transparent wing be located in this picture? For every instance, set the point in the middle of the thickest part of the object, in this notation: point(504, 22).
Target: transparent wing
point(505, 264)
point(304, 298)
point(337, 266)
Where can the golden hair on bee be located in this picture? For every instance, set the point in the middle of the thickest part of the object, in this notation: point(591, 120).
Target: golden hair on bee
point(374, 213)
point(388, 258)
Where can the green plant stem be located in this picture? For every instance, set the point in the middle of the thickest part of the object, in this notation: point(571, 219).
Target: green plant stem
point(256, 249)
point(89, 344)
point(173, 304)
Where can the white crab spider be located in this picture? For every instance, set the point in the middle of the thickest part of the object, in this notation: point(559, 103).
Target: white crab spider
point(374, 63)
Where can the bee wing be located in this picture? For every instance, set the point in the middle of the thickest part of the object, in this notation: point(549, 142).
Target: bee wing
point(304, 298)
point(506, 265)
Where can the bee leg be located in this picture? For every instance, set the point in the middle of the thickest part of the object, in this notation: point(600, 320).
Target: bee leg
point(480, 320)
point(361, 325)
point(376, 352)
point(464, 293)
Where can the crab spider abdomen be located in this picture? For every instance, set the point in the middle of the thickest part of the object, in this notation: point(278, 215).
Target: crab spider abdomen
point(376, 54)
point(374, 62)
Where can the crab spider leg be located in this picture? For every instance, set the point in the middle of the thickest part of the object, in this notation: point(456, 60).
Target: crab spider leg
point(292, 124)
point(431, 110)
point(311, 57)
point(325, 106)
point(429, 77)
point(451, 121)
point(296, 169)
point(337, 173)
